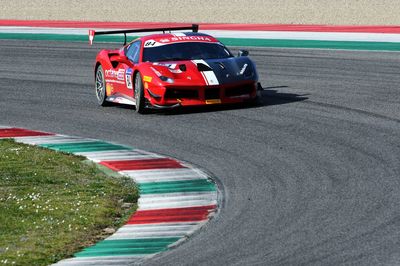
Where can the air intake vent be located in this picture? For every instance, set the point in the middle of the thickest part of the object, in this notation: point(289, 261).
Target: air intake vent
point(182, 67)
point(222, 66)
point(203, 67)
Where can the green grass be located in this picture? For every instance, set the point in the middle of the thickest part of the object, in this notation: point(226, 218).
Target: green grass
point(53, 204)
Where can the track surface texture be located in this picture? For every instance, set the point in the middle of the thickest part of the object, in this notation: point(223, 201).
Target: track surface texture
point(311, 177)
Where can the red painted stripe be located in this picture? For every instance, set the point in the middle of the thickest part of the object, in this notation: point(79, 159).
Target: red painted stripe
point(191, 214)
point(20, 132)
point(159, 163)
point(203, 26)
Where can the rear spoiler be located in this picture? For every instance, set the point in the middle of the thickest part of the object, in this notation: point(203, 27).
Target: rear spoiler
point(92, 33)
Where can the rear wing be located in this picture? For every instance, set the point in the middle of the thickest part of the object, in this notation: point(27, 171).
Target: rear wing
point(92, 33)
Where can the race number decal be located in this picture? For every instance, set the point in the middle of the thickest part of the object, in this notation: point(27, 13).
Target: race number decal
point(152, 43)
point(128, 78)
point(149, 43)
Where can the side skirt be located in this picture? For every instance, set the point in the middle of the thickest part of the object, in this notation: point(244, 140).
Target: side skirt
point(121, 99)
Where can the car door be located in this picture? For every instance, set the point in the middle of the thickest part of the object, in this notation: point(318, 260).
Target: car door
point(132, 52)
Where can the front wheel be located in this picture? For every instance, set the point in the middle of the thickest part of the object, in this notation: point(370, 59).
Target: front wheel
point(139, 94)
point(258, 100)
point(100, 87)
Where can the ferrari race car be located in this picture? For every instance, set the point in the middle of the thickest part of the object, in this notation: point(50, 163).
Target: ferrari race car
point(173, 69)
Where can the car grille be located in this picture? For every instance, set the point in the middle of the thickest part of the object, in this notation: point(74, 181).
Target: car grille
point(239, 90)
point(212, 93)
point(174, 93)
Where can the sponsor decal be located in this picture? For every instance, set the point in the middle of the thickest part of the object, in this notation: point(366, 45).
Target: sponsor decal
point(117, 74)
point(122, 82)
point(213, 101)
point(243, 69)
point(147, 78)
point(186, 39)
point(109, 89)
point(128, 78)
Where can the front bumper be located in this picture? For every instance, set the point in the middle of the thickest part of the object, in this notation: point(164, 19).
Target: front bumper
point(175, 96)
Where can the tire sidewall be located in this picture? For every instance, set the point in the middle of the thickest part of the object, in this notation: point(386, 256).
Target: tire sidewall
point(101, 101)
point(139, 93)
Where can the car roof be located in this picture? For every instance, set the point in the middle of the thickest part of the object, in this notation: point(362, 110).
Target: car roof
point(166, 38)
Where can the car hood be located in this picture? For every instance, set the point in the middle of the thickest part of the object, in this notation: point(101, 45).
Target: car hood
point(208, 72)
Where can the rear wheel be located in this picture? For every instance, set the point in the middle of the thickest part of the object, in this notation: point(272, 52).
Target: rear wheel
point(139, 94)
point(100, 87)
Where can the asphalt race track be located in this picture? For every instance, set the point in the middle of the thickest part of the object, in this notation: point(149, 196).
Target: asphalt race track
point(311, 177)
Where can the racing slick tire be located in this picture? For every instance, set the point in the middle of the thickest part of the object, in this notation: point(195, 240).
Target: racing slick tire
point(100, 87)
point(139, 94)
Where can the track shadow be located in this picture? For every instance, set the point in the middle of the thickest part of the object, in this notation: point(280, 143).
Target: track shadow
point(269, 96)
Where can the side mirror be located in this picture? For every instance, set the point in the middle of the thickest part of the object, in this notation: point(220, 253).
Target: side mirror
point(116, 59)
point(243, 53)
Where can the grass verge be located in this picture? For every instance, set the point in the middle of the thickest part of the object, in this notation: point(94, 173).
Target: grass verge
point(52, 204)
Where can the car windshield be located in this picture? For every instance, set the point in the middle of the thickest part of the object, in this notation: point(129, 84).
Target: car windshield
point(185, 51)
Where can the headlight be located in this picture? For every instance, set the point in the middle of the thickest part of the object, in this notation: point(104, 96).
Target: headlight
point(166, 79)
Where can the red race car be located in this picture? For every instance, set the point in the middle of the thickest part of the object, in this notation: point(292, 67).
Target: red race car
point(173, 69)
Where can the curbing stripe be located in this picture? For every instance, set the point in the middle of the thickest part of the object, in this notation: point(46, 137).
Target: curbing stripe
point(192, 214)
point(158, 163)
point(119, 251)
point(375, 38)
point(148, 176)
point(111, 260)
point(91, 146)
point(20, 132)
point(176, 186)
point(176, 198)
point(251, 42)
point(118, 155)
point(160, 227)
point(284, 34)
point(52, 139)
point(177, 204)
